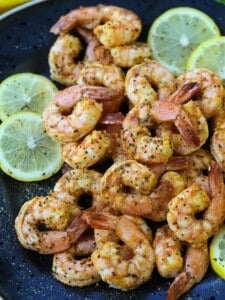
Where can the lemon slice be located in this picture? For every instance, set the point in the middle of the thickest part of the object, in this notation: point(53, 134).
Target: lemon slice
point(176, 33)
point(217, 252)
point(6, 4)
point(26, 152)
point(211, 55)
point(25, 92)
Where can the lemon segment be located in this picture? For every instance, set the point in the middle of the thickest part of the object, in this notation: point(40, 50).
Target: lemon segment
point(25, 92)
point(27, 153)
point(217, 252)
point(210, 55)
point(175, 34)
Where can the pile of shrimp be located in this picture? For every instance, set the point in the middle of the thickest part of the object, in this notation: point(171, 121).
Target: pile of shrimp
point(162, 139)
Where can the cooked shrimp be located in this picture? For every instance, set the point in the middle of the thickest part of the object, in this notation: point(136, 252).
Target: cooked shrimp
point(148, 81)
point(55, 215)
point(182, 209)
point(168, 252)
point(170, 184)
point(112, 25)
point(73, 271)
point(171, 110)
point(118, 271)
point(71, 127)
point(137, 141)
point(61, 59)
point(211, 94)
point(87, 152)
point(196, 265)
point(77, 182)
point(124, 56)
point(130, 174)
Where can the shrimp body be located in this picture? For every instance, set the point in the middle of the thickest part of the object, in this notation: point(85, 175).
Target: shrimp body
point(130, 174)
point(196, 264)
point(88, 151)
point(50, 212)
point(112, 25)
point(167, 248)
point(119, 272)
point(100, 74)
point(127, 56)
point(62, 54)
point(182, 209)
point(142, 78)
point(211, 94)
point(66, 128)
point(74, 272)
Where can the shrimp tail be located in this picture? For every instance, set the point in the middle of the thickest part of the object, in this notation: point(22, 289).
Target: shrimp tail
point(185, 93)
point(215, 179)
point(180, 285)
point(185, 128)
point(100, 220)
point(77, 227)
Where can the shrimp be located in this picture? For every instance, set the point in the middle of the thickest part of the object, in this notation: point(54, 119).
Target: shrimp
point(75, 183)
point(124, 56)
point(148, 81)
point(112, 25)
point(171, 110)
point(182, 209)
point(137, 141)
point(87, 152)
point(130, 174)
point(196, 265)
point(168, 252)
point(71, 127)
point(62, 54)
point(211, 94)
point(74, 271)
point(55, 215)
point(118, 271)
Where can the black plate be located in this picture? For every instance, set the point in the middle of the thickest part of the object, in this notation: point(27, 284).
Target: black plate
point(24, 44)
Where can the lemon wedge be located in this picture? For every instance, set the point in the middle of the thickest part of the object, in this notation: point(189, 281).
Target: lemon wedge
point(217, 252)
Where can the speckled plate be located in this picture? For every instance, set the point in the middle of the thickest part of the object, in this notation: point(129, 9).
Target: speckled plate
point(24, 44)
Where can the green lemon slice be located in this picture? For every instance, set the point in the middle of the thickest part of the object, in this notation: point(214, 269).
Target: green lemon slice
point(25, 92)
point(210, 55)
point(176, 33)
point(26, 152)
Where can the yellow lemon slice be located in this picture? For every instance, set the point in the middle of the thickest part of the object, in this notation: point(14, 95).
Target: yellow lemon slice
point(27, 153)
point(8, 4)
point(217, 252)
